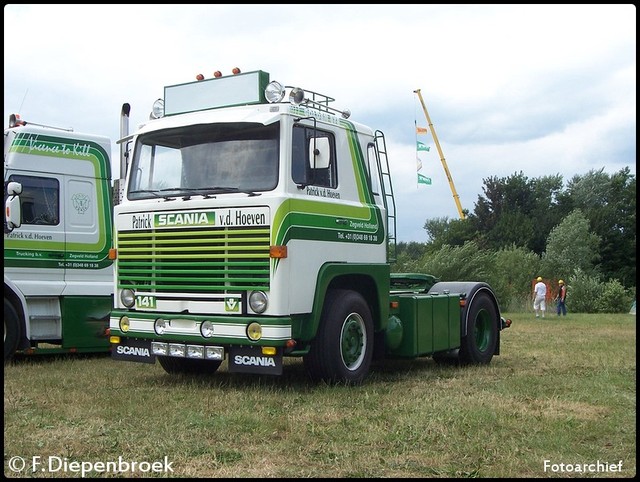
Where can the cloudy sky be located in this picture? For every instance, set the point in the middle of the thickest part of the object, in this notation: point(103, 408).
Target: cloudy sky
point(537, 89)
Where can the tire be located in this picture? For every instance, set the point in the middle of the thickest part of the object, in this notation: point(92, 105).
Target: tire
point(12, 331)
point(447, 358)
point(343, 347)
point(479, 344)
point(188, 366)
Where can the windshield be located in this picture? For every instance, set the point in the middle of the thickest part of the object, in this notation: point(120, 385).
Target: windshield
point(205, 160)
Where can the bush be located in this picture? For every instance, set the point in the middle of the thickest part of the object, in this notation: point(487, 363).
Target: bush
point(613, 298)
point(583, 292)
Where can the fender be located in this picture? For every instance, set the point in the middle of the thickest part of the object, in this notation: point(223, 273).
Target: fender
point(470, 289)
point(371, 280)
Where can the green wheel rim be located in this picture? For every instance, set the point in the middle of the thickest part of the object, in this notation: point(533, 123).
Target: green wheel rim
point(353, 341)
point(483, 330)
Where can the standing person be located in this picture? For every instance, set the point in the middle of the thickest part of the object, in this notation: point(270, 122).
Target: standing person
point(562, 296)
point(539, 297)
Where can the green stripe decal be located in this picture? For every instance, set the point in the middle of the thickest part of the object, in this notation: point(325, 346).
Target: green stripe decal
point(327, 221)
point(57, 254)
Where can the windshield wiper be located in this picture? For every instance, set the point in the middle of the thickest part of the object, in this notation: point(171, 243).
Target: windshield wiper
point(206, 192)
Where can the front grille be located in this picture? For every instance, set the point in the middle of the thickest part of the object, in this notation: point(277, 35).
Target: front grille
point(197, 261)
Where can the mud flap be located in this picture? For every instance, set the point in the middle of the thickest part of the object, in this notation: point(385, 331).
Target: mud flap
point(133, 350)
point(250, 359)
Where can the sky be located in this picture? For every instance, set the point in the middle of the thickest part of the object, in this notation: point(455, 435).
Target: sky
point(527, 89)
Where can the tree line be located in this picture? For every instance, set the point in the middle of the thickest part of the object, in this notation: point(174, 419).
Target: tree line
point(521, 228)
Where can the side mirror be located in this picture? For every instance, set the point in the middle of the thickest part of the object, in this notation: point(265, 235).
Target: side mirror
point(320, 156)
point(12, 209)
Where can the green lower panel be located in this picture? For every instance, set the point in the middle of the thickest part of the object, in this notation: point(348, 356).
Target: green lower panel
point(84, 321)
point(431, 323)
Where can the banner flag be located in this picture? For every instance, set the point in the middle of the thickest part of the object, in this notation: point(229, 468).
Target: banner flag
point(418, 163)
point(424, 179)
point(421, 130)
point(421, 146)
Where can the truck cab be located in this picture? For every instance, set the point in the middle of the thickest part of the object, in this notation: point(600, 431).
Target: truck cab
point(258, 222)
point(57, 274)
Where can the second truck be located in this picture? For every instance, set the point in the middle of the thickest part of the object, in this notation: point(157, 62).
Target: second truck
point(257, 222)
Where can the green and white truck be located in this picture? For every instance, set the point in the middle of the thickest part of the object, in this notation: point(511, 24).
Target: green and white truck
point(258, 222)
point(58, 278)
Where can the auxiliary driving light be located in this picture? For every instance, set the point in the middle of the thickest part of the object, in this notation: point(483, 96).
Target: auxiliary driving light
point(206, 329)
point(160, 326)
point(124, 324)
point(160, 349)
point(214, 353)
point(195, 351)
point(177, 349)
point(157, 111)
point(296, 96)
point(274, 92)
point(254, 331)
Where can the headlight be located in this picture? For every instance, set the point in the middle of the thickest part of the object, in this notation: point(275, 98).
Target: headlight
point(274, 92)
point(128, 298)
point(258, 301)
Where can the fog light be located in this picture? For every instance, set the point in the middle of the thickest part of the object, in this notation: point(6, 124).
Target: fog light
point(254, 331)
point(195, 351)
point(158, 348)
point(206, 329)
point(176, 349)
point(214, 353)
point(124, 324)
point(160, 326)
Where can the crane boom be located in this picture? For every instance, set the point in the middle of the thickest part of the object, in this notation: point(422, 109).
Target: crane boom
point(456, 198)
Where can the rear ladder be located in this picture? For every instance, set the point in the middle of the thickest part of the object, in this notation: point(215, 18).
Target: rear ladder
point(387, 195)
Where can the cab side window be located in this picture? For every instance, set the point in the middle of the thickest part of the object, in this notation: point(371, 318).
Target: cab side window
point(313, 157)
point(40, 199)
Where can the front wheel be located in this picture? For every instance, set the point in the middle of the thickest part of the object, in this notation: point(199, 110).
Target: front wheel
point(479, 344)
point(343, 347)
point(11, 331)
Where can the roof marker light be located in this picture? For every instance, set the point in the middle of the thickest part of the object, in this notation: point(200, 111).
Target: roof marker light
point(199, 77)
point(235, 71)
point(217, 74)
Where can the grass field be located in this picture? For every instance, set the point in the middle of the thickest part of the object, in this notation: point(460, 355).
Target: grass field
point(560, 397)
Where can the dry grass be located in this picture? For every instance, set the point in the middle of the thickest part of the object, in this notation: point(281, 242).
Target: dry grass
point(563, 391)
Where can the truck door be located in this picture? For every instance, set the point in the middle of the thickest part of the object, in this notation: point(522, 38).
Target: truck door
point(87, 225)
point(34, 252)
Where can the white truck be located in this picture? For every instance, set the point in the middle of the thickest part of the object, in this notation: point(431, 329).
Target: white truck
point(258, 222)
point(58, 278)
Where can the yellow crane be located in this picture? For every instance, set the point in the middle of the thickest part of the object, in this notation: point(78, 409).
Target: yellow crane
point(456, 198)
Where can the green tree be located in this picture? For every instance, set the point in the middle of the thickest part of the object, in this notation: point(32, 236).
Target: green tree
point(609, 202)
point(518, 210)
point(513, 270)
point(572, 246)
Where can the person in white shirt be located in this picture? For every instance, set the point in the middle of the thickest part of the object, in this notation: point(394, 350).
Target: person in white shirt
point(539, 297)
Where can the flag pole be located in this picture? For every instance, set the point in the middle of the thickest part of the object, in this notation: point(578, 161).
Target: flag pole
point(456, 198)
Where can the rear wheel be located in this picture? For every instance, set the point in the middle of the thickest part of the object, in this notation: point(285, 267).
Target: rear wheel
point(177, 366)
point(479, 344)
point(11, 331)
point(343, 348)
